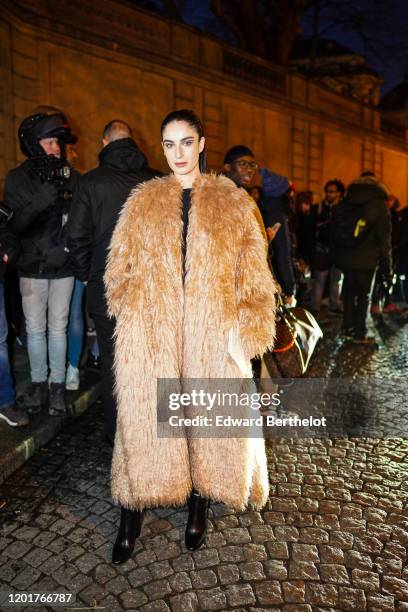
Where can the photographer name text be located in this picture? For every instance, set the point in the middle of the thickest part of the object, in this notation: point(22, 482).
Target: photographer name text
point(230, 421)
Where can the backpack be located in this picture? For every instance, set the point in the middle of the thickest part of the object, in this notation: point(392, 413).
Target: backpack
point(350, 225)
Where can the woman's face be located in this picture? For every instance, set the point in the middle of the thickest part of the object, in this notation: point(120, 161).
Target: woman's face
point(182, 147)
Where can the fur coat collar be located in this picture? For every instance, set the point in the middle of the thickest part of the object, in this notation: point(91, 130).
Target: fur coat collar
point(167, 328)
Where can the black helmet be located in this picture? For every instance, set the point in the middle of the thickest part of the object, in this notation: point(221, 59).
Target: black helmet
point(38, 126)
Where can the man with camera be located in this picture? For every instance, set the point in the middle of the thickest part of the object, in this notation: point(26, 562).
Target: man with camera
point(39, 192)
point(9, 249)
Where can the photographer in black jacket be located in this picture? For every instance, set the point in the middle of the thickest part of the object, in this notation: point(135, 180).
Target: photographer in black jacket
point(39, 191)
point(95, 211)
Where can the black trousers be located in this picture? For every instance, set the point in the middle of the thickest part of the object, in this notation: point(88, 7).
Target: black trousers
point(357, 288)
point(105, 327)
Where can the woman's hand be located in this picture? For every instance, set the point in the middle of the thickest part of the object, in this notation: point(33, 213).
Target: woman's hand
point(272, 231)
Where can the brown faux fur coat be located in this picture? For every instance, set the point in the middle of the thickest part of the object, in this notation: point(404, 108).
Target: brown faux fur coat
point(165, 329)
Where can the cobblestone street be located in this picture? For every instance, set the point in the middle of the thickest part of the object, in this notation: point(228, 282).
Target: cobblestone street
point(334, 535)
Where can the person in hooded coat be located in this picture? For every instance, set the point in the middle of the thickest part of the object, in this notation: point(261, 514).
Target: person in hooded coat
point(186, 266)
point(94, 214)
point(361, 234)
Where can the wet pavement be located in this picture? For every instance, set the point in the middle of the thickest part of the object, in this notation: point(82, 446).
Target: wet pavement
point(334, 535)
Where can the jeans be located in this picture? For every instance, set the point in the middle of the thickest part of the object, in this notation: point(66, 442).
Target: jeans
point(319, 282)
point(6, 382)
point(357, 288)
point(76, 324)
point(46, 308)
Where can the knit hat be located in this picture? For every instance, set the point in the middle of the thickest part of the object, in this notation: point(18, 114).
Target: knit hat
point(236, 152)
point(274, 185)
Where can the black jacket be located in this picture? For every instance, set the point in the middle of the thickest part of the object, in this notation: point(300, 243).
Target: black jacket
point(368, 196)
point(305, 236)
point(9, 245)
point(39, 221)
point(275, 210)
point(323, 253)
point(95, 210)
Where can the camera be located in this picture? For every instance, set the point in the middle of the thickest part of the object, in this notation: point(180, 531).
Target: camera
point(50, 169)
point(5, 214)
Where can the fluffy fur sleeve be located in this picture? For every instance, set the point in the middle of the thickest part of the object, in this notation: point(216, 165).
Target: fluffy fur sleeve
point(118, 265)
point(256, 291)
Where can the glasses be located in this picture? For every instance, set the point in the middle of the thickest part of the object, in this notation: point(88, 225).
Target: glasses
point(246, 165)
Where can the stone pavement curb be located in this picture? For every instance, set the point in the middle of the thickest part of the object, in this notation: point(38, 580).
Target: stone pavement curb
point(20, 445)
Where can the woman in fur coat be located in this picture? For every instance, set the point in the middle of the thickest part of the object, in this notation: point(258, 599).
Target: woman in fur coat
point(187, 266)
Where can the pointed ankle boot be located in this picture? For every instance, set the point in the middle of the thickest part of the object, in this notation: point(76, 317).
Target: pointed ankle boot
point(129, 530)
point(197, 521)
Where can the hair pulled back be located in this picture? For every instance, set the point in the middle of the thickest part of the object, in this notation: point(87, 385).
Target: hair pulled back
point(194, 121)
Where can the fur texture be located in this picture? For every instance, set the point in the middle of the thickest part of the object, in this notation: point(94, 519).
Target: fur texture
point(165, 329)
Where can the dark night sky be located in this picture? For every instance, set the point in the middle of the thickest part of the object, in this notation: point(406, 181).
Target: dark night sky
point(386, 25)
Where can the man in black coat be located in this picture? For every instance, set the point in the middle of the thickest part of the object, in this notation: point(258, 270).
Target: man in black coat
point(38, 191)
point(240, 166)
point(322, 256)
point(95, 212)
point(362, 241)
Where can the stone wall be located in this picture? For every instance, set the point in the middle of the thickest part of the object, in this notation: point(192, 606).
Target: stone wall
point(99, 61)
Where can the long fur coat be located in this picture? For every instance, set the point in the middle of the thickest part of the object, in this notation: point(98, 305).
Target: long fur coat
point(169, 329)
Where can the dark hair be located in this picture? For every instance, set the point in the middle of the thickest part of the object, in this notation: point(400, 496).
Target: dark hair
point(193, 120)
point(236, 152)
point(303, 197)
point(368, 173)
point(339, 185)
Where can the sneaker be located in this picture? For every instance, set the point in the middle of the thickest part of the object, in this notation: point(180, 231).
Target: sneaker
point(37, 397)
point(72, 378)
point(93, 363)
point(56, 403)
point(14, 416)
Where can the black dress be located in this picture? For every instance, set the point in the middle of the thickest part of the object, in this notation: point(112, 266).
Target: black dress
point(184, 215)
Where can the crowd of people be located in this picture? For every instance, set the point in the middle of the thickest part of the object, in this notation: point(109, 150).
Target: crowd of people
point(172, 266)
point(56, 227)
point(354, 242)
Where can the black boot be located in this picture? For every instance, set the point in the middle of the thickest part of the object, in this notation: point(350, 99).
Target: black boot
point(197, 520)
point(36, 397)
point(129, 530)
point(56, 401)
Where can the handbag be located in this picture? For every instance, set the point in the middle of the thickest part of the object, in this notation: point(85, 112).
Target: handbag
point(297, 334)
